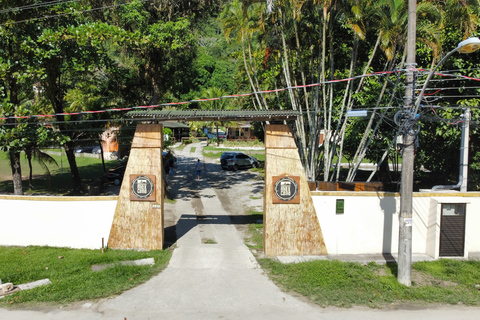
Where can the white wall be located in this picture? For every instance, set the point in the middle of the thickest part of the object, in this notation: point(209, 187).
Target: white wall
point(370, 221)
point(369, 224)
point(76, 222)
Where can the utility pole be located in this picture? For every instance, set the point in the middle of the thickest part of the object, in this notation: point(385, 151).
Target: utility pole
point(405, 218)
point(464, 150)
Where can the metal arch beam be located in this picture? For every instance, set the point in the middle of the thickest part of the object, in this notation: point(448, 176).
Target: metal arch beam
point(214, 115)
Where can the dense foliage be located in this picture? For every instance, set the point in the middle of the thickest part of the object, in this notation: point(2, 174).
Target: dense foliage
point(97, 55)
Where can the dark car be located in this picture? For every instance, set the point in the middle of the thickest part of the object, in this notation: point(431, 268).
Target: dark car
point(84, 149)
point(87, 149)
point(97, 150)
point(234, 160)
point(116, 174)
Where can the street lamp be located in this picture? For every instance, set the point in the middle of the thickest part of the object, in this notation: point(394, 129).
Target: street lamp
point(405, 224)
point(469, 45)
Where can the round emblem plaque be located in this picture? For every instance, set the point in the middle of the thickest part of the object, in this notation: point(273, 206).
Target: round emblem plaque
point(285, 189)
point(142, 187)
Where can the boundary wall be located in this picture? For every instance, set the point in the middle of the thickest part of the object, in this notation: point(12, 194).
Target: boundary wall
point(75, 222)
point(369, 224)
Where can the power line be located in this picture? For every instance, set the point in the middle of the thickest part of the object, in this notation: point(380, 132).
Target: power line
point(69, 13)
point(35, 6)
point(240, 95)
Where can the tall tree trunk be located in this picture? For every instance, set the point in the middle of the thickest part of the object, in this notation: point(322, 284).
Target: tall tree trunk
point(326, 117)
point(347, 96)
point(100, 143)
point(70, 152)
point(364, 144)
point(56, 95)
point(14, 154)
point(247, 71)
point(16, 172)
point(28, 153)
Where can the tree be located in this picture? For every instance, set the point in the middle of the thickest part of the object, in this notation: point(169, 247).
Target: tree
point(14, 61)
point(315, 42)
point(215, 102)
point(159, 45)
point(11, 141)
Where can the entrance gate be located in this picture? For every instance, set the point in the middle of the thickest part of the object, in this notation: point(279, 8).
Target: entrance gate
point(291, 226)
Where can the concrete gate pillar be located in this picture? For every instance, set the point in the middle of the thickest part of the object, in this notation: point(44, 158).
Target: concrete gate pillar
point(290, 223)
point(138, 220)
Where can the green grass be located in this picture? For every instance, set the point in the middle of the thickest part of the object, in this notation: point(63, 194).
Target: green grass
point(255, 230)
point(71, 276)
point(61, 181)
point(347, 284)
point(344, 284)
point(179, 147)
point(192, 150)
point(465, 273)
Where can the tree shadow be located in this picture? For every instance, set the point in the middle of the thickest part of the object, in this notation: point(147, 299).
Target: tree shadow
point(185, 187)
point(189, 221)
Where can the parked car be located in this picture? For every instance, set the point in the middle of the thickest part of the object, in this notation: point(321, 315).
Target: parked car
point(116, 174)
point(86, 149)
point(234, 160)
point(97, 150)
point(221, 135)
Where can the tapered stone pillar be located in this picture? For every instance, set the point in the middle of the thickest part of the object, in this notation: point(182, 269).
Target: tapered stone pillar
point(138, 221)
point(291, 225)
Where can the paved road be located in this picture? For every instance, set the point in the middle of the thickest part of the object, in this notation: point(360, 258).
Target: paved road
point(213, 275)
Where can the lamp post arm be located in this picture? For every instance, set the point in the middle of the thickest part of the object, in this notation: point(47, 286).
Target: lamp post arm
point(430, 75)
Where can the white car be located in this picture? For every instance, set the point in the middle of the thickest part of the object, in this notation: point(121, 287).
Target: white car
point(234, 160)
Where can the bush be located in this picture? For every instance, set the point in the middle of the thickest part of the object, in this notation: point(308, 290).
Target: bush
point(214, 141)
point(243, 143)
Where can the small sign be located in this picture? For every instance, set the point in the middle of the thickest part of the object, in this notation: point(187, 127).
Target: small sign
point(142, 187)
point(156, 206)
point(340, 206)
point(408, 222)
point(286, 189)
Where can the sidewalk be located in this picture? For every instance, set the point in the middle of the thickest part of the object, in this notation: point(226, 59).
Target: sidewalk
point(360, 258)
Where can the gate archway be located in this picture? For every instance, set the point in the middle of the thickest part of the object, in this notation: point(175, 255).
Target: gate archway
point(291, 226)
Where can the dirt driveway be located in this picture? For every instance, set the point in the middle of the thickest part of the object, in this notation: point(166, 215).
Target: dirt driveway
point(238, 191)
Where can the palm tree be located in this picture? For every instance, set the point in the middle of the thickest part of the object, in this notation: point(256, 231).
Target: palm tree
point(391, 21)
point(214, 101)
point(465, 14)
point(43, 159)
point(240, 20)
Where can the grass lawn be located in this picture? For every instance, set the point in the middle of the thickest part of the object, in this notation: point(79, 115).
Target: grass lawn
point(70, 273)
point(61, 181)
point(347, 284)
